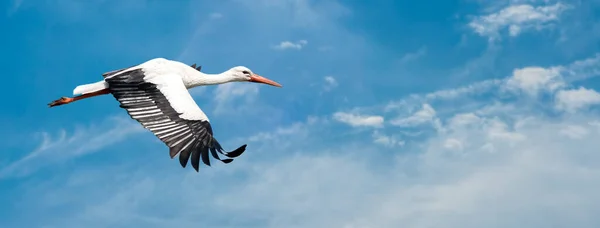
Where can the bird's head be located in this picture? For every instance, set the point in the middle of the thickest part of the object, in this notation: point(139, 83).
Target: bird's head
point(241, 73)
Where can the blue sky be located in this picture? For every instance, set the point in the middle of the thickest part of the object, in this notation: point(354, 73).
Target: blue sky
point(464, 113)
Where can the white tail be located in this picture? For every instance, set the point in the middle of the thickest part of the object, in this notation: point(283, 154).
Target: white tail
point(90, 88)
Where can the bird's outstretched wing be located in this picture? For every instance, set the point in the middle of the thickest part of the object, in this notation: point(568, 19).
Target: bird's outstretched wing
point(162, 104)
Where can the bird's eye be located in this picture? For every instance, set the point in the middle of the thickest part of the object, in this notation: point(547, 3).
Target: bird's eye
point(246, 72)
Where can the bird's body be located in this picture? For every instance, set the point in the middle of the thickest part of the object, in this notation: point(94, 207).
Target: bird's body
point(155, 94)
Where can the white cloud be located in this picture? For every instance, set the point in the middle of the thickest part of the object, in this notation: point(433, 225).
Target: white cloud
point(284, 45)
point(330, 83)
point(532, 80)
point(464, 119)
point(575, 99)
point(357, 120)
point(517, 18)
point(425, 115)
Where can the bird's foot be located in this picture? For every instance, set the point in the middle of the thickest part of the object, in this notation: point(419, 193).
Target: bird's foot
point(61, 101)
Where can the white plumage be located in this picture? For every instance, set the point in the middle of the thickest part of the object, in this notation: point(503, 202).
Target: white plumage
point(90, 88)
point(155, 94)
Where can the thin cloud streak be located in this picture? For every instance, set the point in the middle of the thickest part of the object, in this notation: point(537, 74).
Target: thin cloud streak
point(284, 45)
point(64, 147)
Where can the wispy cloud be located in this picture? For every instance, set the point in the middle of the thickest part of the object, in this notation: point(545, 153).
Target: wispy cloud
point(227, 96)
point(425, 115)
point(293, 129)
point(358, 120)
point(517, 18)
point(474, 88)
point(330, 83)
point(408, 57)
point(583, 69)
point(62, 148)
point(285, 45)
point(530, 80)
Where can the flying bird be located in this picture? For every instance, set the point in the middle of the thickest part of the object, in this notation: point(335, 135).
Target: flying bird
point(155, 93)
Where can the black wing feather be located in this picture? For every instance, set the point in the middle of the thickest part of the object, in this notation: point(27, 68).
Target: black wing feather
point(205, 158)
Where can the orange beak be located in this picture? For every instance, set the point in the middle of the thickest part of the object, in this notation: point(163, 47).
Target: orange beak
point(260, 79)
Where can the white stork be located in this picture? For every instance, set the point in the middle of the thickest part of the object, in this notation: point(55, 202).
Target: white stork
point(155, 94)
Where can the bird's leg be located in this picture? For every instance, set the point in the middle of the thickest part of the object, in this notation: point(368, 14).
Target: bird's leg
point(66, 100)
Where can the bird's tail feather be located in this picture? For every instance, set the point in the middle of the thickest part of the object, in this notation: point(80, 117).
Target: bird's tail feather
point(90, 88)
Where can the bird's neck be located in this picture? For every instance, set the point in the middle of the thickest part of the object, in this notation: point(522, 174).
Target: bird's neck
point(201, 79)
